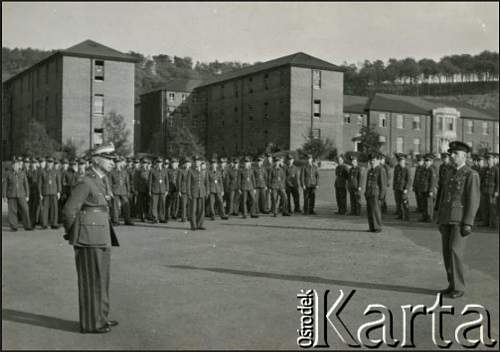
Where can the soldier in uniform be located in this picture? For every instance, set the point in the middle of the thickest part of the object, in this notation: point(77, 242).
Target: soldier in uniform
point(197, 185)
point(225, 183)
point(34, 201)
point(444, 169)
point(247, 188)
point(292, 185)
point(489, 192)
point(375, 192)
point(158, 190)
point(309, 179)
point(120, 187)
point(261, 178)
point(341, 177)
point(234, 188)
point(268, 165)
point(401, 183)
point(277, 178)
point(417, 183)
point(182, 186)
point(354, 186)
point(459, 202)
point(141, 186)
point(216, 190)
point(386, 168)
point(16, 191)
point(173, 193)
point(89, 231)
point(49, 188)
point(429, 188)
point(132, 195)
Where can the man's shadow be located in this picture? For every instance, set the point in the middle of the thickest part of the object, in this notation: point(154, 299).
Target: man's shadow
point(40, 320)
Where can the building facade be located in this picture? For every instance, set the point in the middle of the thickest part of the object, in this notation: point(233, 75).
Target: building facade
point(69, 93)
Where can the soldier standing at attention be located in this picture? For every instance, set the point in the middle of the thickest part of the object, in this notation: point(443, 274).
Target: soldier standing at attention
point(268, 165)
point(401, 183)
point(89, 231)
point(158, 190)
point(216, 190)
point(277, 184)
point(141, 186)
point(292, 185)
point(489, 192)
point(247, 188)
point(341, 177)
point(417, 183)
point(354, 185)
point(309, 179)
point(173, 193)
point(225, 183)
point(49, 188)
point(16, 192)
point(120, 187)
point(182, 186)
point(34, 201)
point(261, 178)
point(386, 168)
point(197, 185)
point(444, 169)
point(132, 198)
point(459, 203)
point(429, 188)
point(234, 187)
point(374, 192)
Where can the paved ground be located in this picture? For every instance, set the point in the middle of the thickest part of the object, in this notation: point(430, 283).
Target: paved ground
point(234, 286)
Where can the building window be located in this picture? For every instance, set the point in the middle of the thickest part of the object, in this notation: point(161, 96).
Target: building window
point(485, 128)
point(98, 104)
point(317, 108)
point(97, 138)
point(360, 119)
point(440, 123)
point(235, 87)
point(183, 96)
point(399, 122)
point(382, 120)
point(316, 79)
point(47, 73)
point(46, 112)
point(266, 76)
point(347, 119)
point(99, 70)
point(469, 144)
point(171, 97)
point(382, 139)
point(416, 145)
point(236, 109)
point(416, 122)
point(222, 91)
point(450, 124)
point(399, 144)
point(470, 126)
point(316, 133)
point(38, 77)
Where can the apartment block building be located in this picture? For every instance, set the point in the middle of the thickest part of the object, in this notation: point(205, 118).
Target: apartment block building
point(70, 92)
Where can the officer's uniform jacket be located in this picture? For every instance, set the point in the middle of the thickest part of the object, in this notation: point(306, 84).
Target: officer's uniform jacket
point(32, 176)
point(429, 180)
point(158, 181)
point(489, 182)
point(173, 174)
point(215, 181)
point(375, 183)
point(233, 179)
point(141, 180)
point(261, 176)
point(277, 177)
point(401, 179)
point(246, 179)
point(86, 215)
point(182, 181)
point(197, 183)
point(354, 179)
point(341, 176)
point(49, 182)
point(418, 177)
point(292, 176)
point(130, 174)
point(15, 185)
point(460, 197)
point(119, 182)
point(309, 177)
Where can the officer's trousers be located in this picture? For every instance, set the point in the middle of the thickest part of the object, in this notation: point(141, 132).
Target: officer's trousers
point(402, 209)
point(374, 213)
point(35, 206)
point(261, 200)
point(15, 205)
point(92, 268)
point(309, 199)
point(158, 207)
point(293, 192)
point(249, 195)
point(183, 211)
point(234, 202)
point(172, 205)
point(121, 202)
point(197, 212)
point(341, 196)
point(355, 198)
point(50, 210)
point(487, 208)
point(453, 250)
point(217, 197)
point(427, 207)
point(279, 194)
point(142, 205)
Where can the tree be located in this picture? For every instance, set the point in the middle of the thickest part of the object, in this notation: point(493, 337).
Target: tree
point(70, 149)
point(180, 141)
point(115, 131)
point(36, 141)
point(319, 148)
point(369, 141)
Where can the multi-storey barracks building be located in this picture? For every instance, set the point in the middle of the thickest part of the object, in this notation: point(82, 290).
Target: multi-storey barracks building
point(69, 92)
point(285, 100)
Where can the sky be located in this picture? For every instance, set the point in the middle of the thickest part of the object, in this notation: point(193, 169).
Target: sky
point(249, 32)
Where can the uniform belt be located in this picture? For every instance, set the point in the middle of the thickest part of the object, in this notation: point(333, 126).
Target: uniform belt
point(103, 209)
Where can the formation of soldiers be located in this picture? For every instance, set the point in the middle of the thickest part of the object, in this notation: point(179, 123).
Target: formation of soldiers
point(190, 189)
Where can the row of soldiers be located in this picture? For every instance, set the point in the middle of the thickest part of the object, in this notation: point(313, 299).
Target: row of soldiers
point(162, 189)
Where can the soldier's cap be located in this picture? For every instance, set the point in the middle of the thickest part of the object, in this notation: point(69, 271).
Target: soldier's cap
point(458, 146)
point(49, 159)
point(445, 155)
point(248, 159)
point(159, 160)
point(373, 155)
point(40, 159)
point(429, 156)
point(479, 157)
point(400, 156)
point(290, 156)
point(27, 160)
point(136, 161)
point(167, 161)
point(418, 157)
point(82, 161)
point(309, 156)
point(175, 160)
point(105, 151)
point(261, 158)
point(187, 159)
point(234, 160)
point(267, 154)
point(223, 160)
point(73, 162)
point(276, 158)
point(489, 155)
point(65, 161)
point(213, 160)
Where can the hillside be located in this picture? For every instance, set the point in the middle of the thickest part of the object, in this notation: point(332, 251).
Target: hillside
point(488, 102)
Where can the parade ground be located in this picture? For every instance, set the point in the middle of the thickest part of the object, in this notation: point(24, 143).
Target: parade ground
point(235, 285)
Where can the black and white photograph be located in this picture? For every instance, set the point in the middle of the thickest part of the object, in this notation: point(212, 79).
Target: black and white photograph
point(250, 175)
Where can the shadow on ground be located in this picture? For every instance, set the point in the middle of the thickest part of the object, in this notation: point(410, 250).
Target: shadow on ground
point(40, 320)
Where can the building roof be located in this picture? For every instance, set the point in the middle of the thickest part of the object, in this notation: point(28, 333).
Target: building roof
point(299, 59)
point(424, 106)
point(178, 85)
point(87, 48)
point(355, 104)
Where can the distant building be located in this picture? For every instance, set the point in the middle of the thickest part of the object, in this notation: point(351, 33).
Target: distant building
point(355, 117)
point(70, 92)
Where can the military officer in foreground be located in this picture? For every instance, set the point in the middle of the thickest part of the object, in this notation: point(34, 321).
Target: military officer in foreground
point(292, 173)
point(261, 179)
point(89, 231)
point(216, 190)
point(247, 188)
point(354, 186)
point(375, 192)
point(16, 191)
point(277, 184)
point(309, 179)
point(429, 186)
point(120, 186)
point(489, 192)
point(49, 188)
point(400, 185)
point(158, 191)
point(341, 178)
point(417, 182)
point(197, 185)
point(459, 203)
